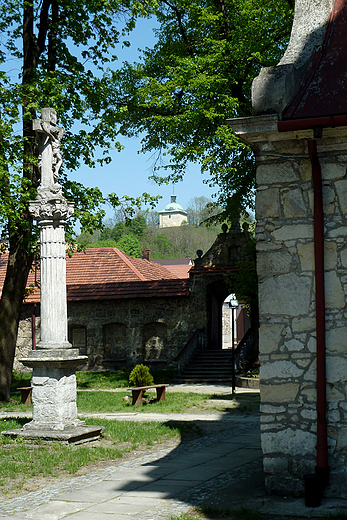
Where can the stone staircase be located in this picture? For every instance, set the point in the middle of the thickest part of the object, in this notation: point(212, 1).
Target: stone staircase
point(208, 366)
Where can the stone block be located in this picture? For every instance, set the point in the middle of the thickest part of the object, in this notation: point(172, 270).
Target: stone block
point(269, 337)
point(305, 170)
point(311, 344)
point(303, 324)
point(294, 232)
point(338, 232)
point(330, 255)
point(328, 200)
point(306, 255)
point(334, 294)
point(336, 339)
point(310, 415)
point(343, 256)
point(341, 190)
point(293, 345)
point(334, 395)
point(274, 262)
point(311, 373)
point(267, 246)
point(332, 170)
point(293, 204)
point(275, 173)
point(289, 442)
point(280, 370)
point(309, 393)
point(275, 465)
point(267, 203)
point(342, 439)
point(336, 369)
point(334, 416)
point(282, 393)
point(287, 294)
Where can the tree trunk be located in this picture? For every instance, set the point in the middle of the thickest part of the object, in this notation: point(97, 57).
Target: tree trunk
point(21, 253)
point(18, 268)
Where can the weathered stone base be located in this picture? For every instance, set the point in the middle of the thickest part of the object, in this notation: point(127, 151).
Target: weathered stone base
point(54, 393)
point(73, 435)
point(286, 483)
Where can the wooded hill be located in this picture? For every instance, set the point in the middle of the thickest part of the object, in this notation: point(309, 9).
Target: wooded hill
point(131, 238)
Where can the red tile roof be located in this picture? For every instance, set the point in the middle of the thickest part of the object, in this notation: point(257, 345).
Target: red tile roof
point(107, 273)
point(180, 267)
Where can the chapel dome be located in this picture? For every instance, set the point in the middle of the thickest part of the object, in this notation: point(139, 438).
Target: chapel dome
point(173, 205)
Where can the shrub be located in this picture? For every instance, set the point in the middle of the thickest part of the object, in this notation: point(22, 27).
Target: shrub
point(140, 376)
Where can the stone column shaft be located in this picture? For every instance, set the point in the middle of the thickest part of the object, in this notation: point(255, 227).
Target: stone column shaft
point(53, 288)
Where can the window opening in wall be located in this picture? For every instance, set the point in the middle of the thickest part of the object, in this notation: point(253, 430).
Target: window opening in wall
point(114, 338)
point(154, 341)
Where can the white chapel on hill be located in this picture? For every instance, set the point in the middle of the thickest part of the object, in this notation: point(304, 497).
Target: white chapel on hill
point(173, 215)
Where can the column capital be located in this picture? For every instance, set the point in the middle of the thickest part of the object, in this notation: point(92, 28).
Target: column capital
point(50, 205)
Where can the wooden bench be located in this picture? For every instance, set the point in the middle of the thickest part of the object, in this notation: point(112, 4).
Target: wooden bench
point(138, 392)
point(25, 394)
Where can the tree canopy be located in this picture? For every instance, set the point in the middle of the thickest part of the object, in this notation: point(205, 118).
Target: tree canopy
point(199, 74)
point(53, 54)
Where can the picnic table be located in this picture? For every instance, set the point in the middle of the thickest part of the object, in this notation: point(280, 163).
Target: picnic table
point(138, 392)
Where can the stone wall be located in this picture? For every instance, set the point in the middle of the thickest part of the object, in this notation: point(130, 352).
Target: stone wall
point(117, 333)
point(285, 265)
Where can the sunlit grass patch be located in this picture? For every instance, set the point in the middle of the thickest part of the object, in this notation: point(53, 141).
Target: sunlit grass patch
point(113, 402)
point(22, 459)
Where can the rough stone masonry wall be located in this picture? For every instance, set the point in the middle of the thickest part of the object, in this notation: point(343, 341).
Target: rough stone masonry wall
point(285, 264)
point(114, 333)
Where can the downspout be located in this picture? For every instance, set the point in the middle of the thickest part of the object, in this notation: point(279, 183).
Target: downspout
point(320, 480)
point(33, 327)
point(322, 468)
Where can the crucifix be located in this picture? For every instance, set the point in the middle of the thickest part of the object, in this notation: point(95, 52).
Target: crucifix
point(50, 157)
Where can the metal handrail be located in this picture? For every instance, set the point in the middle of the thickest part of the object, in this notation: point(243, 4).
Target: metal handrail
point(193, 345)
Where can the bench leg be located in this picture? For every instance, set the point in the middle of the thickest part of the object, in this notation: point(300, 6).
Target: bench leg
point(25, 396)
point(137, 397)
point(161, 394)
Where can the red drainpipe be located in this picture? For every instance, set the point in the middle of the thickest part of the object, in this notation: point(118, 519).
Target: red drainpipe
point(33, 327)
point(322, 435)
point(322, 467)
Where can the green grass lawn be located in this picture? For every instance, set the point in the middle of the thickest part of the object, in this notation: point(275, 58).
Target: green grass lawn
point(21, 459)
point(176, 402)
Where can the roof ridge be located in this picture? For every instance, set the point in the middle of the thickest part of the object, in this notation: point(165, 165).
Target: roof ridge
point(125, 259)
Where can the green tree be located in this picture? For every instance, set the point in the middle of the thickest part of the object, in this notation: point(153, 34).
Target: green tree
point(117, 231)
point(163, 248)
point(60, 49)
point(137, 225)
point(199, 210)
point(130, 245)
point(198, 75)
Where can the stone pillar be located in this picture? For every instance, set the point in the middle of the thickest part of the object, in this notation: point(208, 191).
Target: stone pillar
point(285, 267)
point(54, 361)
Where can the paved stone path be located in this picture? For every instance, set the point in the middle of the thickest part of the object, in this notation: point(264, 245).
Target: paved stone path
point(223, 469)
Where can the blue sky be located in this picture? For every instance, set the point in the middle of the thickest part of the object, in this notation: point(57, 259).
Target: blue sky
point(128, 172)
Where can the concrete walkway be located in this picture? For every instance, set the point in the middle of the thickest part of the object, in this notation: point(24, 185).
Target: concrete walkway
point(223, 469)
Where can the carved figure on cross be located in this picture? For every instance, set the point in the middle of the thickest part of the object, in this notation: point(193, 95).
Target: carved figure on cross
point(50, 157)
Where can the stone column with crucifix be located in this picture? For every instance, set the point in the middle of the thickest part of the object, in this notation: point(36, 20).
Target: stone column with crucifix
point(54, 361)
